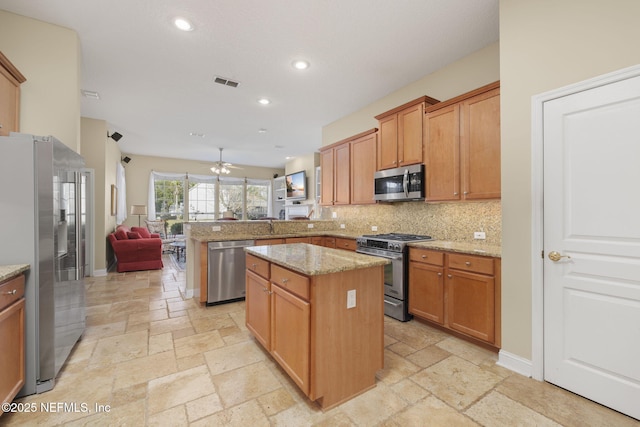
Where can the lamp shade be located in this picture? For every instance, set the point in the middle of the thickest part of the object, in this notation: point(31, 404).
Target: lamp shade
point(138, 209)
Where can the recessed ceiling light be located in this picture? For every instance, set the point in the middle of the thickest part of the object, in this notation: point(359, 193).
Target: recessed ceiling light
point(289, 157)
point(264, 101)
point(300, 64)
point(262, 130)
point(183, 24)
point(200, 135)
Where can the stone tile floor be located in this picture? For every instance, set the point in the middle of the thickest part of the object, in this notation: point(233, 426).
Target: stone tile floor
point(157, 359)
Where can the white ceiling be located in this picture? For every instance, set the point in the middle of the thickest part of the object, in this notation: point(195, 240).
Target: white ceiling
point(156, 82)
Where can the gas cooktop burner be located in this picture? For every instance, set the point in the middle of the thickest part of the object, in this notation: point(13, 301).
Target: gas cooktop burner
point(397, 237)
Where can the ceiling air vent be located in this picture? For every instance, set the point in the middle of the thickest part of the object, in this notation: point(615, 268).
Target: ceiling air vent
point(226, 82)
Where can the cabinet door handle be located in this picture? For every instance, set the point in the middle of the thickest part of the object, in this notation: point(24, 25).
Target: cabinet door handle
point(439, 274)
point(13, 292)
point(449, 276)
point(455, 194)
point(424, 257)
point(467, 263)
point(465, 193)
point(284, 280)
point(254, 265)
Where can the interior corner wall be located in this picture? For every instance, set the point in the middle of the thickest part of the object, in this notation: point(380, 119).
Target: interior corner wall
point(308, 164)
point(544, 45)
point(471, 72)
point(49, 57)
point(101, 154)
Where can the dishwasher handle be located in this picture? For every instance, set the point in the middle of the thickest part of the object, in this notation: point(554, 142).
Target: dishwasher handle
point(222, 245)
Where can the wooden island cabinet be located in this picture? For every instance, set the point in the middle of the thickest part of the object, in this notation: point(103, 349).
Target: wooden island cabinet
point(458, 291)
point(319, 313)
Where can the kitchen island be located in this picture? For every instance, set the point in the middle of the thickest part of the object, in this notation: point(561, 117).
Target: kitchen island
point(319, 313)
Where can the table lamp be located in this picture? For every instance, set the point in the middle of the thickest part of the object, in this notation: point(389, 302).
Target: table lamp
point(138, 210)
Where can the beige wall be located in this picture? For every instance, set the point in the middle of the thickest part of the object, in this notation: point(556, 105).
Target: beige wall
point(139, 169)
point(101, 154)
point(545, 44)
point(49, 57)
point(470, 72)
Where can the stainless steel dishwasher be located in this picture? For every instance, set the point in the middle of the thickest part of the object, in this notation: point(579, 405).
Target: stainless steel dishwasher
point(226, 271)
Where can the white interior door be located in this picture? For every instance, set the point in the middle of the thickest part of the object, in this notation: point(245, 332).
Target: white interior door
point(592, 219)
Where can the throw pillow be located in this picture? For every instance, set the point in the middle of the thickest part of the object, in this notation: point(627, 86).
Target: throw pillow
point(133, 235)
point(121, 234)
point(155, 226)
point(143, 232)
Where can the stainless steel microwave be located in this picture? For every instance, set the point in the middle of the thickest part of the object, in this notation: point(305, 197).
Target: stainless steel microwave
point(399, 184)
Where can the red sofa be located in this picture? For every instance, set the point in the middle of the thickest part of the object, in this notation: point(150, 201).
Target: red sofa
point(136, 249)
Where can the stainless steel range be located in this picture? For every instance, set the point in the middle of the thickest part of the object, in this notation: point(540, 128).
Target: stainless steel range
point(394, 247)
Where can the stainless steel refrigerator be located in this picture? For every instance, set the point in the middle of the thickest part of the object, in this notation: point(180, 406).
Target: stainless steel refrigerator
point(43, 217)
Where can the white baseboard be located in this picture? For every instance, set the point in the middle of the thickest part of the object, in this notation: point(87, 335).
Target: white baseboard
point(100, 273)
point(515, 363)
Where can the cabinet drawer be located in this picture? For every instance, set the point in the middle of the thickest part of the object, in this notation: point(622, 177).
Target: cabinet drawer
point(293, 282)
point(11, 291)
point(476, 264)
point(297, 240)
point(347, 244)
point(265, 242)
point(426, 256)
point(258, 266)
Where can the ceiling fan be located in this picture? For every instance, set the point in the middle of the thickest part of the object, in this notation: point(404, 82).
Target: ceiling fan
point(221, 167)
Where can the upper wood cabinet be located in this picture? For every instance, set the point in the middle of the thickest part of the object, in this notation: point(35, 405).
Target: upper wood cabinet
point(10, 81)
point(462, 146)
point(335, 166)
point(400, 141)
point(363, 166)
point(347, 170)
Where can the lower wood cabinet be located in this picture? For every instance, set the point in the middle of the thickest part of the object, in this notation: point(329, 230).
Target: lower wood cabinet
point(290, 340)
point(458, 291)
point(11, 338)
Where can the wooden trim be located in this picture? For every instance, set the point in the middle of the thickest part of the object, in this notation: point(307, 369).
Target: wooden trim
point(426, 99)
point(351, 138)
point(4, 62)
point(203, 262)
point(464, 96)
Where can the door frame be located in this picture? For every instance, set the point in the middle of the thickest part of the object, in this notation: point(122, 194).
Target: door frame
point(537, 205)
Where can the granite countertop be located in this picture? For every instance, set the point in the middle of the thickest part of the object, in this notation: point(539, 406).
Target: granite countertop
point(9, 271)
point(245, 236)
point(312, 260)
point(463, 247)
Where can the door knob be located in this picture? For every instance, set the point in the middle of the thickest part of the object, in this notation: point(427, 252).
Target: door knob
point(555, 256)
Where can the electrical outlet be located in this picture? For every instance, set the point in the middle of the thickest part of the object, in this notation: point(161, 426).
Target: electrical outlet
point(215, 228)
point(374, 228)
point(334, 214)
point(351, 298)
point(480, 235)
point(343, 226)
point(309, 225)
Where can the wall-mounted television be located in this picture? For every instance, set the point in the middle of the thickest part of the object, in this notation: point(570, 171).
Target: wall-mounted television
point(296, 186)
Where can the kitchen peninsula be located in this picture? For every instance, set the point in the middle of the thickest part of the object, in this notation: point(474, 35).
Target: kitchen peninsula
point(319, 312)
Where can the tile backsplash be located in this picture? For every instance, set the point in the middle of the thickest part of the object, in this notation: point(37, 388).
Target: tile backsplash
point(443, 221)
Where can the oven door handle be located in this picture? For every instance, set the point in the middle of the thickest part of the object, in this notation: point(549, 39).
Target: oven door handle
point(391, 257)
point(405, 182)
